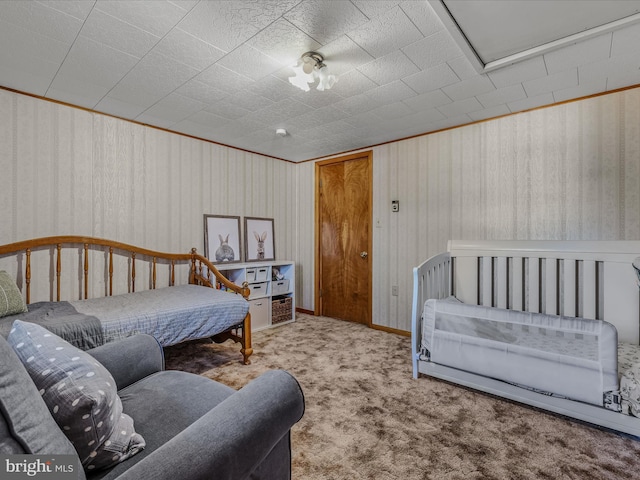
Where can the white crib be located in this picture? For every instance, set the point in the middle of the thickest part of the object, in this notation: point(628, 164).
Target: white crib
point(584, 279)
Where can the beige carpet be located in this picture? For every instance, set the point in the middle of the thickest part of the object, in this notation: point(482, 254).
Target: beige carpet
point(367, 418)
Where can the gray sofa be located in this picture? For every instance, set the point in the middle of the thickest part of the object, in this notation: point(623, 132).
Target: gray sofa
point(194, 428)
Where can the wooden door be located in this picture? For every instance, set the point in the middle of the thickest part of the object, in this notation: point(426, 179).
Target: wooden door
point(343, 226)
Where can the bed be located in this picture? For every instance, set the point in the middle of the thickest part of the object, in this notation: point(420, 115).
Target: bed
point(552, 324)
point(92, 291)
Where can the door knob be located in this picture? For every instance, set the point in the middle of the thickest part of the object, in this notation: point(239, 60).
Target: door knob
point(363, 254)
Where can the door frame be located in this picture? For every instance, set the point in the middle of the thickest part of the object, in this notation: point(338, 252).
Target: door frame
point(368, 154)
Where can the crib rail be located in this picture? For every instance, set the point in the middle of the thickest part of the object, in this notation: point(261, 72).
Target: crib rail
point(589, 279)
point(87, 251)
point(431, 279)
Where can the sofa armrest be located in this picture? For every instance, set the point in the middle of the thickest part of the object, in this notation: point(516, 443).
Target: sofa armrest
point(231, 440)
point(130, 359)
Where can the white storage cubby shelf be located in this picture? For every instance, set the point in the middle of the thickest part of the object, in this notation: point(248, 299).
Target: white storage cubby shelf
point(272, 301)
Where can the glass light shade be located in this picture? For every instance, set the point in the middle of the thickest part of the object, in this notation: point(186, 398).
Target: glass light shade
point(301, 79)
point(325, 80)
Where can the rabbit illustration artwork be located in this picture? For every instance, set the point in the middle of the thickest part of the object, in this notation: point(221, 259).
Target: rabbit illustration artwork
point(260, 239)
point(224, 253)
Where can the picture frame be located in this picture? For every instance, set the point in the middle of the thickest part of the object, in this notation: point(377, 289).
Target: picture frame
point(222, 239)
point(259, 239)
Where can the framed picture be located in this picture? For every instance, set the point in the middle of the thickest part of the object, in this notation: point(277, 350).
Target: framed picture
point(222, 239)
point(258, 238)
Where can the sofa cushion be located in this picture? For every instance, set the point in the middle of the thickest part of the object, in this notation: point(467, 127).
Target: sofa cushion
point(26, 426)
point(154, 401)
point(11, 301)
point(80, 394)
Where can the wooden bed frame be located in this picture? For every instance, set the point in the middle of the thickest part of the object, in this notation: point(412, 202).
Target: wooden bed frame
point(590, 279)
point(69, 261)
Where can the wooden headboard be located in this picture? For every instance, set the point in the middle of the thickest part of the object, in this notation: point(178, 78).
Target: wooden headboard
point(77, 267)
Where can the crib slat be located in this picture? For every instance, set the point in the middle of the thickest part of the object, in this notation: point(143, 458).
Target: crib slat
point(551, 286)
point(533, 287)
point(589, 292)
point(569, 288)
point(517, 283)
point(466, 287)
point(486, 281)
point(501, 282)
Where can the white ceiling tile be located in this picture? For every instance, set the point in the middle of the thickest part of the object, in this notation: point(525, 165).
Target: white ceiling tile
point(208, 119)
point(423, 16)
point(223, 79)
point(519, 72)
point(469, 88)
point(187, 49)
point(428, 101)
point(201, 91)
point(276, 89)
point(228, 110)
point(389, 68)
point(390, 93)
point(38, 18)
point(399, 32)
point(76, 8)
point(531, 102)
point(432, 78)
point(151, 79)
point(284, 42)
point(76, 91)
point(249, 101)
point(185, 5)
point(502, 96)
point(153, 16)
point(433, 50)
point(99, 66)
point(326, 24)
point(172, 108)
point(288, 108)
point(491, 112)
point(460, 107)
point(565, 79)
point(582, 90)
point(249, 62)
point(462, 67)
point(357, 104)
point(316, 99)
point(353, 83)
point(591, 50)
point(343, 55)
point(218, 23)
point(31, 44)
point(392, 111)
point(374, 8)
point(259, 13)
point(626, 40)
point(118, 34)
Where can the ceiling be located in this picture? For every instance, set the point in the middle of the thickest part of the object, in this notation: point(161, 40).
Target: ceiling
point(218, 70)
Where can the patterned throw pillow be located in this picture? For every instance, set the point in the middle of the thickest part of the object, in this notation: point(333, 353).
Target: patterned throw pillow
point(11, 301)
point(80, 394)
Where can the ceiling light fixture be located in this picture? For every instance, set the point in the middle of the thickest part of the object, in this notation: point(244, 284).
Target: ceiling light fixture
point(310, 67)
